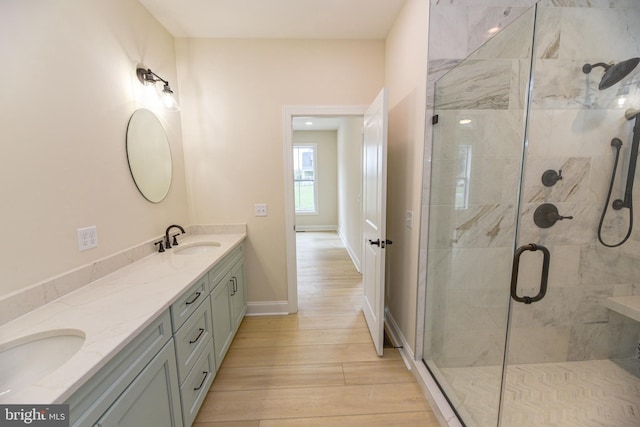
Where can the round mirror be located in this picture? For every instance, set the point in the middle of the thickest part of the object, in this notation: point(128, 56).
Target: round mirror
point(149, 155)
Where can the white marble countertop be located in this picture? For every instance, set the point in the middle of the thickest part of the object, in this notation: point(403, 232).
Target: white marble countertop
point(628, 306)
point(111, 312)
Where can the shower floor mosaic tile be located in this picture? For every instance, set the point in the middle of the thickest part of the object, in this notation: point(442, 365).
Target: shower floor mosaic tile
point(595, 393)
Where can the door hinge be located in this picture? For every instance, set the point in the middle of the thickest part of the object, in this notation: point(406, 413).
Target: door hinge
point(434, 119)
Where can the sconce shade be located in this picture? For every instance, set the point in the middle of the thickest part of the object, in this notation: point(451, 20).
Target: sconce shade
point(169, 99)
point(149, 78)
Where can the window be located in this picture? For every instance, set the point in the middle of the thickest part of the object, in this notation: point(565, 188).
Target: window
point(304, 173)
point(463, 174)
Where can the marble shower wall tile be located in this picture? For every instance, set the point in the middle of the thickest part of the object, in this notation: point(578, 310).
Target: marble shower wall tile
point(577, 133)
point(572, 188)
point(470, 269)
point(476, 85)
point(478, 347)
point(607, 266)
point(623, 336)
point(513, 43)
point(480, 226)
point(545, 344)
point(560, 84)
point(588, 3)
point(490, 133)
point(600, 34)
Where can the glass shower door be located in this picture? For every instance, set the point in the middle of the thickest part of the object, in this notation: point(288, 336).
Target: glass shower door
point(572, 362)
point(480, 108)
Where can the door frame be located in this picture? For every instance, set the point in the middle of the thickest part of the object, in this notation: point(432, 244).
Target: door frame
point(288, 113)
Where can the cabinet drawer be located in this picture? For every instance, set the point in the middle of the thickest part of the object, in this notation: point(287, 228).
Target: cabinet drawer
point(194, 389)
point(218, 272)
point(192, 338)
point(189, 302)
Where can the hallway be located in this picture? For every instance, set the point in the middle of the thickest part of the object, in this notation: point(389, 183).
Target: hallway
point(317, 367)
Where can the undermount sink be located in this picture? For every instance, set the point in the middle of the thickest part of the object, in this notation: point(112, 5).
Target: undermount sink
point(28, 359)
point(198, 248)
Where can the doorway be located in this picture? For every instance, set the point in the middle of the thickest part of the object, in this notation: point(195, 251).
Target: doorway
point(348, 180)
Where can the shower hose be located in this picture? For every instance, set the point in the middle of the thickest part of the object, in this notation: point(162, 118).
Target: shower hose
point(617, 144)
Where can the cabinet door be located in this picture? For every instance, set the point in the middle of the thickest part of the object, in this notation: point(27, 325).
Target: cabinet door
point(221, 317)
point(152, 399)
point(96, 396)
point(238, 300)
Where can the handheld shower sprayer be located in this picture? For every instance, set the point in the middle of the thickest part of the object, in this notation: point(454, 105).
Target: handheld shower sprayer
point(627, 202)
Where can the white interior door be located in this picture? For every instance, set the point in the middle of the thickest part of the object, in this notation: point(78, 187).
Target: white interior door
point(375, 216)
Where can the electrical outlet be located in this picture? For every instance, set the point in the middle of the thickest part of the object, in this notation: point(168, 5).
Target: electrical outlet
point(87, 238)
point(261, 209)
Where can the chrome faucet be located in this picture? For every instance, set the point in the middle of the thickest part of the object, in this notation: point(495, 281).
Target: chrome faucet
point(167, 241)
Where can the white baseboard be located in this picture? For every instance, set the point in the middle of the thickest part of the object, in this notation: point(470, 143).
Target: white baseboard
point(268, 308)
point(316, 228)
point(441, 408)
point(352, 255)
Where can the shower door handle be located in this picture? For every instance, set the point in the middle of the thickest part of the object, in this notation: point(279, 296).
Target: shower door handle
point(543, 280)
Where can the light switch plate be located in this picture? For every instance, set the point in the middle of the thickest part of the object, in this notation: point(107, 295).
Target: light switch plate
point(87, 238)
point(261, 209)
point(409, 219)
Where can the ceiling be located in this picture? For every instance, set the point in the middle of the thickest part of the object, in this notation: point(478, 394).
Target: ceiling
point(276, 19)
point(316, 123)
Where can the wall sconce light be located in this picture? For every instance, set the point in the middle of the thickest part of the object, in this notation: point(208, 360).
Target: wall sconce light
point(149, 79)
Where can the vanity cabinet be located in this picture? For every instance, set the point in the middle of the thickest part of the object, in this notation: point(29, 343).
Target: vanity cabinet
point(162, 377)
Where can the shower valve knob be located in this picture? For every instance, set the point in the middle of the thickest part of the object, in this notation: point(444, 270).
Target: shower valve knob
point(550, 177)
point(546, 215)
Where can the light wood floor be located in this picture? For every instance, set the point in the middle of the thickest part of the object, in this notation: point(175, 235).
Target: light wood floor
point(317, 367)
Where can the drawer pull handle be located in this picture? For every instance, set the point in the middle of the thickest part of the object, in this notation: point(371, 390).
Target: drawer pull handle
point(198, 337)
point(206, 374)
point(194, 299)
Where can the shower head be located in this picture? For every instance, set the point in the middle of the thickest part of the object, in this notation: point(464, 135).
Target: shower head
point(612, 73)
point(631, 113)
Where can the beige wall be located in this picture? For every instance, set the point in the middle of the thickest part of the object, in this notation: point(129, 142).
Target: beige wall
point(327, 178)
point(233, 93)
point(72, 89)
point(405, 78)
point(350, 186)
point(68, 90)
